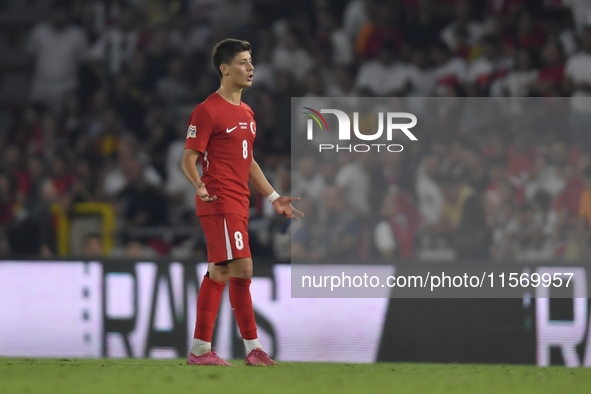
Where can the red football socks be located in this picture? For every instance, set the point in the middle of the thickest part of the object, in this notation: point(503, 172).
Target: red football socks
point(208, 304)
point(242, 305)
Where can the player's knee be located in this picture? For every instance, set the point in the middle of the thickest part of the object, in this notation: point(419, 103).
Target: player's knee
point(220, 277)
point(242, 272)
point(219, 273)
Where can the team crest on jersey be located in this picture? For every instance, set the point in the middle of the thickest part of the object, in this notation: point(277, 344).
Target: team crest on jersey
point(192, 132)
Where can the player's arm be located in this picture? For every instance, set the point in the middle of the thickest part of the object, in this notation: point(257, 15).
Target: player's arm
point(189, 168)
point(282, 205)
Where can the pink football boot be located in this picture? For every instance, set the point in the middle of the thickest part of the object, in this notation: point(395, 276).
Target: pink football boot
point(209, 358)
point(258, 358)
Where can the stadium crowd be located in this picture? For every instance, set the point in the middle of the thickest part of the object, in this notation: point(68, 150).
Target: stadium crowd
point(115, 81)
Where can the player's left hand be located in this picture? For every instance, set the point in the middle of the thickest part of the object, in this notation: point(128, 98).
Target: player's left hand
point(283, 207)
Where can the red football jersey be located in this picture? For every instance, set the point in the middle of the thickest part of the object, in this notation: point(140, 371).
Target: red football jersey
point(224, 135)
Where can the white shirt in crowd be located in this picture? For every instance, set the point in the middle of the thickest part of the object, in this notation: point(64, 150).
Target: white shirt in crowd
point(578, 69)
point(342, 48)
point(546, 180)
point(475, 32)
point(354, 181)
point(115, 180)
point(483, 67)
point(429, 197)
point(354, 18)
point(197, 39)
point(423, 81)
point(176, 182)
point(515, 83)
point(581, 10)
point(454, 71)
point(297, 62)
point(309, 188)
point(384, 237)
point(115, 47)
point(57, 56)
point(380, 79)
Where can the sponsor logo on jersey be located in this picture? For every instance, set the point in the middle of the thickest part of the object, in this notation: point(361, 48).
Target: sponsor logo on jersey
point(229, 130)
point(192, 132)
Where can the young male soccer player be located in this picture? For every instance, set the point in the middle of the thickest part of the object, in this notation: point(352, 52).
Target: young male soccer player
point(221, 132)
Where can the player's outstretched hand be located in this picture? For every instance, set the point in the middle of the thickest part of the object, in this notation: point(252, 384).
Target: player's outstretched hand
point(283, 207)
point(203, 194)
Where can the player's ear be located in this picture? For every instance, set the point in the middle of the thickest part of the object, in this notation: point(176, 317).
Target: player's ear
point(224, 69)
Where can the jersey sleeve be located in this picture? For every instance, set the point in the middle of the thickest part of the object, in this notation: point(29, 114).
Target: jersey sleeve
point(200, 130)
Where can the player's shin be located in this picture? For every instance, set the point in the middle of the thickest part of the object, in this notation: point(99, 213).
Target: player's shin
point(208, 304)
point(243, 312)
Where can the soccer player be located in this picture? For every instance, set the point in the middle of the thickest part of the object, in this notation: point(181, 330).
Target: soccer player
point(221, 133)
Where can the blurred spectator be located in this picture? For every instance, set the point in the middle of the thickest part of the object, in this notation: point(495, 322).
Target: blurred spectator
point(118, 43)
point(355, 17)
point(489, 67)
point(383, 76)
point(339, 230)
point(474, 168)
point(551, 75)
point(58, 49)
point(578, 79)
point(463, 216)
point(189, 37)
point(232, 15)
point(292, 56)
point(173, 87)
point(180, 192)
point(420, 75)
point(397, 229)
point(528, 34)
point(32, 232)
point(449, 71)
point(93, 245)
point(578, 247)
point(545, 178)
point(581, 12)
point(518, 81)
point(142, 204)
point(425, 28)
point(381, 28)
point(532, 234)
point(521, 153)
point(61, 175)
point(307, 182)
point(7, 208)
point(84, 186)
point(115, 179)
point(353, 180)
point(463, 20)
point(429, 195)
point(305, 233)
point(505, 225)
point(344, 84)
point(136, 249)
point(566, 205)
point(329, 31)
point(585, 202)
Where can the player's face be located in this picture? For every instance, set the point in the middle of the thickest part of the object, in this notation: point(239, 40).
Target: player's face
point(241, 70)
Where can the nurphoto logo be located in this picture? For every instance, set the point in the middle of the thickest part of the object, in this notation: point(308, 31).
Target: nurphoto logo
point(344, 131)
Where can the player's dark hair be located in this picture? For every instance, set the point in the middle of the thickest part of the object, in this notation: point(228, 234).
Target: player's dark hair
point(225, 51)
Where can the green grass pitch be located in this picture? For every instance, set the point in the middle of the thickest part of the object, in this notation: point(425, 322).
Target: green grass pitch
point(61, 376)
